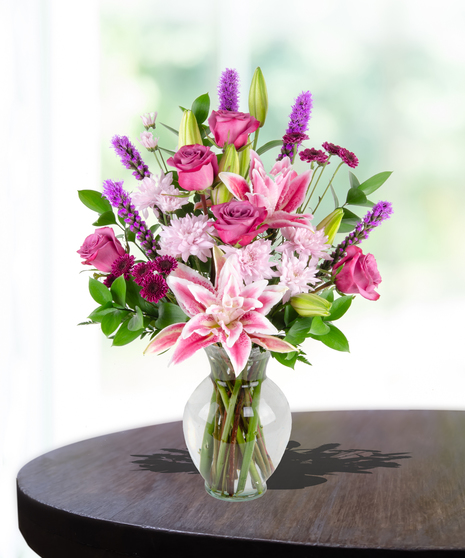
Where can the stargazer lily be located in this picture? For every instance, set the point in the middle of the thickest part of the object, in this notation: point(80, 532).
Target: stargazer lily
point(280, 195)
point(229, 313)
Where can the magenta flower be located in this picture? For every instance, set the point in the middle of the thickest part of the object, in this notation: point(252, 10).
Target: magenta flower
point(154, 288)
point(280, 195)
point(122, 266)
point(229, 313)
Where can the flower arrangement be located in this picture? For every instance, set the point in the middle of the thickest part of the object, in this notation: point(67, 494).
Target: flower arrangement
point(235, 256)
point(234, 262)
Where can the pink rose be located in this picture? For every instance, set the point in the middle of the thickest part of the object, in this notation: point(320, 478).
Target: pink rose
point(101, 249)
point(359, 275)
point(197, 166)
point(232, 127)
point(237, 221)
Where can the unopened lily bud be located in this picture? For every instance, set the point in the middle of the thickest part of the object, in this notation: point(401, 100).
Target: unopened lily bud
point(189, 133)
point(244, 161)
point(229, 162)
point(220, 194)
point(331, 224)
point(308, 304)
point(148, 119)
point(258, 97)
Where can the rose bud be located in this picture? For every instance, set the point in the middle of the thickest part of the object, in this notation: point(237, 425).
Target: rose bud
point(308, 304)
point(228, 126)
point(101, 249)
point(359, 274)
point(258, 97)
point(197, 166)
point(331, 224)
point(189, 133)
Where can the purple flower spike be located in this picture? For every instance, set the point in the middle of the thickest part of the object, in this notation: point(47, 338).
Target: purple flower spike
point(130, 157)
point(120, 199)
point(228, 90)
point(298, 123)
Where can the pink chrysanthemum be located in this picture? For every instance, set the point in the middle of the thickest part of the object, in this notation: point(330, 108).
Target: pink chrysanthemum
point(348, 157)
point(253, 260)
point(297, 274)
point(165, 264)
point(141, 270)
point(188, 236)
point(158, 192)
point(154, 288)
point(122, 266)
point(306, 242)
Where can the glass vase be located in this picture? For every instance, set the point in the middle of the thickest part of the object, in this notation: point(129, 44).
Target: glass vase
point(236, 427)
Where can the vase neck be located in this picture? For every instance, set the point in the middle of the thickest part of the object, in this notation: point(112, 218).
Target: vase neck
point(222, 369)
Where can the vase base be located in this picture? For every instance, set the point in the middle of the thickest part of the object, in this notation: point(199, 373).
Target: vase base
point(235, 497)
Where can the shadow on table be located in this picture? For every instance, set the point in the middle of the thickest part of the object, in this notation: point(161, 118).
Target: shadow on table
point(299, 468)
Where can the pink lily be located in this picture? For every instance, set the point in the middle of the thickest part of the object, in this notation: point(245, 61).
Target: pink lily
point(229, 313)
point(281, 194)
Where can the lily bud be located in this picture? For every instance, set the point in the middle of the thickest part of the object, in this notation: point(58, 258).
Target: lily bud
point(258, 97)
point(244, 162)
point(308, 304)
point(220, 194)
point(189, 133)
point(331, 224)
point(229, 162)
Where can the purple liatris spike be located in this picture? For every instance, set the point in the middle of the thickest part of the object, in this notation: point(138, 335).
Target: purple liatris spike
point(120, 199)
point(298, 124)
point(130, 157)
point(379, 213)
point(228, 90)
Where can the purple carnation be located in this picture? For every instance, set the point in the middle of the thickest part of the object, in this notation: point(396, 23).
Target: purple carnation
point(313, 155)
point(154, 288)
point(130, 157)
point(298, 123)
point(228, 90)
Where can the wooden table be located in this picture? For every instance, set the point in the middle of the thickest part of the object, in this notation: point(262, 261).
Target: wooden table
point(351, 483)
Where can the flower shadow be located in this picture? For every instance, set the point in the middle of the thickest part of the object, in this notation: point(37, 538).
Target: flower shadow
point(299, 468)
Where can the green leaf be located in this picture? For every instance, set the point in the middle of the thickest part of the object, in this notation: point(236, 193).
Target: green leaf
point(373, 183)
point(111, 321)
point(201, 108)
point(107, 218)
point(350, 217)
point(303, 359)
point(354, 182)
point(286, 359)
point(134, 299)
point(319, 327)
point(268, 146)
point(335, 198)
point(170, 129)
point(356, 197)
point(98, 314)
point(93, 200)
point(289, 314)
point(328, 294)
point(339, 308)
point(335, 339)
point(169, 314)
point(98, 291)
point(298, 331)
point(124, 335)
point(167, 150)
point(137, 320)
point(118, 290)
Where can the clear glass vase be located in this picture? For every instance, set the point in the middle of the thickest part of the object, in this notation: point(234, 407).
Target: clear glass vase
point(236, 428)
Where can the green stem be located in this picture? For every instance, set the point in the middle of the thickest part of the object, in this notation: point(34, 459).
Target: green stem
point(255, 140)
point(206, 451)
point(327, 187)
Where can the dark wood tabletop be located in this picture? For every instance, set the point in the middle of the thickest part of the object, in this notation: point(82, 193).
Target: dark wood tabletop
point(351, 483)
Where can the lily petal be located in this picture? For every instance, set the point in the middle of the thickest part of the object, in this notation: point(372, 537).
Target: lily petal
point(273, 344)
point(256, 323)
point(281, 219)
point(270, 296)
point(165, 339)
point(239, 353)
point(185, 348)
point(236, 184)
point(202, 324)
point(293, 196)
point(186, 300)
point(185, 272)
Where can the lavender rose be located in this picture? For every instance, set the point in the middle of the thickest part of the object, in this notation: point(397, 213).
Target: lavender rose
point(101, 249)
point(237, 221)
point(197, 166)
point(230, 127)
point(359, 274)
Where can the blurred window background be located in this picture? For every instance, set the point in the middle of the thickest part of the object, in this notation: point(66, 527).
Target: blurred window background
point(388, 83)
